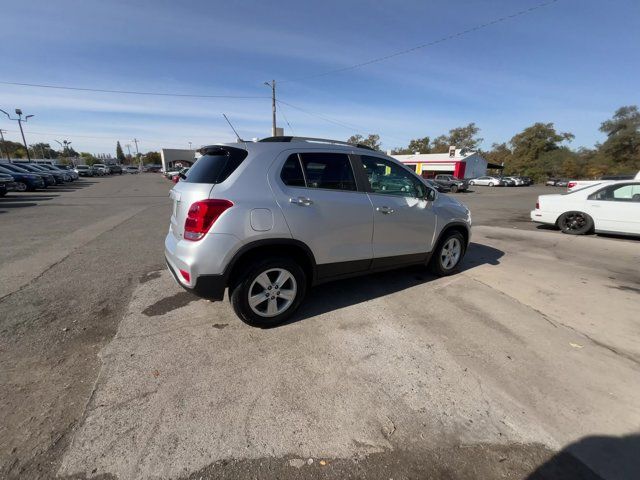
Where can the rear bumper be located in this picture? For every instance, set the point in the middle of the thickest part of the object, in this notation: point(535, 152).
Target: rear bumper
point(540, 216)
point(211, 287)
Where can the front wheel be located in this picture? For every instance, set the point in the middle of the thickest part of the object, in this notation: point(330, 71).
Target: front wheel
point(472, 183)
point(491, 184)
point(21, 187)
point(575, 223)
point(448, 254)
point(454, 188)
point(269, 292)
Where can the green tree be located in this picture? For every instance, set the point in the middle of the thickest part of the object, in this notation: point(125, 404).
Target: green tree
point(531, 151)
point(622, 148)
point(88, 158)
point(152, 158)
point(465, 138)
point(500, 154)
point(440, 144)
point(372, 140)
point(119, 153)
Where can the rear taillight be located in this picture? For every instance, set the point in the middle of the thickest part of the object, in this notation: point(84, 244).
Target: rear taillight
point(571, 184)
point(537, 205)
point(202, 215)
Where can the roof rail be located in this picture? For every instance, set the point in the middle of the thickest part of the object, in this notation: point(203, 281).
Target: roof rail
point(290, 139)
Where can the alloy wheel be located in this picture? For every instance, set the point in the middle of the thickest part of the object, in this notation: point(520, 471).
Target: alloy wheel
point(450, 253)
point(272, 292)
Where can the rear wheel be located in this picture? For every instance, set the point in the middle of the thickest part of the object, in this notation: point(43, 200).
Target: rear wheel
point(269, 292)
point(575, 223)
point(491, 184)
point(454, 188)
point(21, 187)
point(472, 183)
point(448, 254)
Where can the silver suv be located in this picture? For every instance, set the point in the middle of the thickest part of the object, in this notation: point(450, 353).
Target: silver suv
point(269, 219)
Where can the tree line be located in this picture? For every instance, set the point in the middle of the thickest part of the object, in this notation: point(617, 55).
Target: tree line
point(44, 150)
point(540, 151)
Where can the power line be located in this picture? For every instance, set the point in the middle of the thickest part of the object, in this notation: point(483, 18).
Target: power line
point(286, 120)
point(326, 119)
point(129, 92)
point(429, 44)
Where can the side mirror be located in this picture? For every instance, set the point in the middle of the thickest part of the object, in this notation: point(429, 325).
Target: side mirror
point(431, 194)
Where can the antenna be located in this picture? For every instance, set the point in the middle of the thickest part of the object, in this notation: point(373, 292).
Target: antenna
point(234, 130)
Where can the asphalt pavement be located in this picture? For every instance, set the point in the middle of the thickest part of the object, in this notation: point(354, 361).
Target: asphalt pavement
point(526, 364)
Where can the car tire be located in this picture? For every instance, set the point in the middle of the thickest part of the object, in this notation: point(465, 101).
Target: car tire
point(575, 223)
point(454, 188)
point(260, 279)
point(472, 183)
point(491, 184)
point(21, 187)
point(448, 255)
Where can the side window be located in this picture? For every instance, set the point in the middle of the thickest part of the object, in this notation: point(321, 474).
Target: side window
point(618, 193)
point(291, 173)
point(388, 178)
point(328, 170)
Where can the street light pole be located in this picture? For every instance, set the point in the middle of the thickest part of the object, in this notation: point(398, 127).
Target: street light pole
point(19, 120)
point(6, 150)
point(272, 84)
point(135, 140)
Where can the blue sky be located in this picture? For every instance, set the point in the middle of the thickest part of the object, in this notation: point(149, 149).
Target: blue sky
point(572, 63)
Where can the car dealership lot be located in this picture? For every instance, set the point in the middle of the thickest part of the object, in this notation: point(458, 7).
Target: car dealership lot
point(109, 368)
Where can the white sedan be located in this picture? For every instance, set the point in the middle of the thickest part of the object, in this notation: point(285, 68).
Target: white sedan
point(607, 207)
point(486, 181)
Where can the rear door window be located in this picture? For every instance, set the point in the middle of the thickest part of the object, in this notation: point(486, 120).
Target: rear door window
point(215, 165)
point(331, 171)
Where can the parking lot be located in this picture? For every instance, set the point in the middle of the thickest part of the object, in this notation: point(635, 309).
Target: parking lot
point(526, 364)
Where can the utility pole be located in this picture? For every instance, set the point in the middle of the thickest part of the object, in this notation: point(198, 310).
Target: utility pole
point(19, 120)
point(128, 145)
point(6, 150)
point(272, 84)
point(135, 140)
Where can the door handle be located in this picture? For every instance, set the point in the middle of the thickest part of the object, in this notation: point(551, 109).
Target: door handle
point(302, 201)
point(385, 210)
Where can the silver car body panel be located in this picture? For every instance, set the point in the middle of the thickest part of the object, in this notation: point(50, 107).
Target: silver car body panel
point(337, 226)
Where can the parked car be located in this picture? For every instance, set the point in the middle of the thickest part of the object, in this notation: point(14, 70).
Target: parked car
point(172, 172)
point(25, 182)
point(68, 170)
point(517, 181)
point(436, 186)
point(577, 184)
point(507, 182)
point(6, 184)
point(84, 171)
point(486, 181)
point(131, 169)
point(115, 169)
point(153, 168)
point(182, 174)
point(100, 169)
point(61, 177)
point(454, 184)
point(49, 178)
point(269, 219)
point(608, 207)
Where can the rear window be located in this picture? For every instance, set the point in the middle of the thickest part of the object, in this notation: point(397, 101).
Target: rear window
point(215, 165)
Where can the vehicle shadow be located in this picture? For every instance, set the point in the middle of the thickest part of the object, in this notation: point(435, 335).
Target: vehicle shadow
point(552, 228)
point(610, 457)
point(344, 293)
